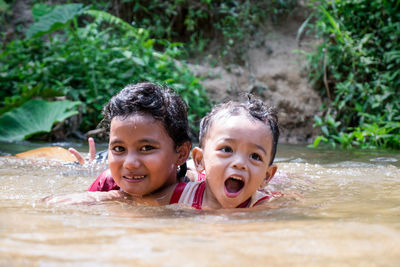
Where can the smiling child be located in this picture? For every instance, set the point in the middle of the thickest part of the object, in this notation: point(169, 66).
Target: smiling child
point(149, 144)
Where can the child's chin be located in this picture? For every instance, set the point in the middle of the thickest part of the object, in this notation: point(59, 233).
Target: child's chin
point(230, 203)
point(134, 193)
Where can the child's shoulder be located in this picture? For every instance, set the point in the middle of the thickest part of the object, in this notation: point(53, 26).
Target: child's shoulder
point(104, 182)
point(185, 192)
point(173, 193)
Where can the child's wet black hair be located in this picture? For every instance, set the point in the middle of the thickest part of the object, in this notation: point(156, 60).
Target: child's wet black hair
point(253, 107)
point(160, 102)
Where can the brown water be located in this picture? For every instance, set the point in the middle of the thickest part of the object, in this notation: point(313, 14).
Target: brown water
point(349, 216)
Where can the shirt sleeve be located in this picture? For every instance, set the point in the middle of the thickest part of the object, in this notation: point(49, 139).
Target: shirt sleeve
point(104, 182)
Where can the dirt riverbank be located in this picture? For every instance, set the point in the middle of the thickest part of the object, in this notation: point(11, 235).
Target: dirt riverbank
point(277, 74)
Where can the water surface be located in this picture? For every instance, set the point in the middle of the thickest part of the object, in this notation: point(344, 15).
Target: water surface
point(343, 208)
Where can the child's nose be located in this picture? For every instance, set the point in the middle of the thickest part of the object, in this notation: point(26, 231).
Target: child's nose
point(239, 163)
point(131, 162)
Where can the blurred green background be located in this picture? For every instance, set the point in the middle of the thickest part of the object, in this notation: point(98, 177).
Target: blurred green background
point(82, 53)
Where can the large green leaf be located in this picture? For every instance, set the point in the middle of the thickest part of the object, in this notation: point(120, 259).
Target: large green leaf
point(55, 20)
point(41, 9)
point(33, 117)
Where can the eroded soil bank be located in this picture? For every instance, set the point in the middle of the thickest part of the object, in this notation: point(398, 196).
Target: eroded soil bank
point(277, 74)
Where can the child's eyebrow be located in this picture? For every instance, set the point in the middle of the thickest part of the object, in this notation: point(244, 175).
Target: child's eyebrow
point(261, 148)
point(113, 142)
point(153, 141)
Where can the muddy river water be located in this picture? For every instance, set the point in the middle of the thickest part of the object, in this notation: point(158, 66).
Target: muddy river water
point(344, 210)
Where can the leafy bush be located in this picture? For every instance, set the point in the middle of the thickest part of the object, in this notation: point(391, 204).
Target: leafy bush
point(197, 22)
point(90, 57)
point(357, 70)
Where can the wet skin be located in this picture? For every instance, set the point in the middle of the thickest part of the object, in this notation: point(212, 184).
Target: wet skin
point(235, 158)
point(142, 156)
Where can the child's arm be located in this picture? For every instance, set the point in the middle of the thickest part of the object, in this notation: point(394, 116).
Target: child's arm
point(84, 198)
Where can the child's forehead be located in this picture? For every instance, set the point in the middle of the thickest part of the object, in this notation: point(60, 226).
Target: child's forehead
point(139, 127)
point(239, 124)
point(135, 117)
point(137, 120)
point(237, 115)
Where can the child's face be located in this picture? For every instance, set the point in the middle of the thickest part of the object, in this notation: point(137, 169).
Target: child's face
point(236, 158)
point(142, 156)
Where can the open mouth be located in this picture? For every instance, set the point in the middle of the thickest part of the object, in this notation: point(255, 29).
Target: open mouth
point(233, 186)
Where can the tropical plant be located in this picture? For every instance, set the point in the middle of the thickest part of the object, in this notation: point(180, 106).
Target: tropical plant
point(34, 116)
point(357, 70)
point(88, 56)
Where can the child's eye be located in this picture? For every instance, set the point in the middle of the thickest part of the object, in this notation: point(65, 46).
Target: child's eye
point(118, 149)
point(147, 148)
point(226, 149)
point(256, 156)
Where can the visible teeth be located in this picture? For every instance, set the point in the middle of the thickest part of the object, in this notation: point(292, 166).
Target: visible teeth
point(135, 177)
point(236, 178)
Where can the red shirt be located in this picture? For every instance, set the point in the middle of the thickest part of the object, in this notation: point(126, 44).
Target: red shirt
point(104, 182)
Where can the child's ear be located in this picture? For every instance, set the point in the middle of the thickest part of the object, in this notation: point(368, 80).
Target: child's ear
point(197, 155)
point(269, 175)
point(183, 151)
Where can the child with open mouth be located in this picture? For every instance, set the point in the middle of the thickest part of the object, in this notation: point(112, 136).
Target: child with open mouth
point(237, 148)
point(238, 143)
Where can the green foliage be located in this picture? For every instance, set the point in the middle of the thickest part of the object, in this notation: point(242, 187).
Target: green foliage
point(3, 6)
point(90, 57)
point(35, 116)
point(357, 70)
point(55, 19)
point(102, 16)
point(197, 23)
point(39, 10)
point(5, 11)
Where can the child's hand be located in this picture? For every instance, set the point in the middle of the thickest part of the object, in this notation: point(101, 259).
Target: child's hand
point(83, 198)
point(92, 152)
